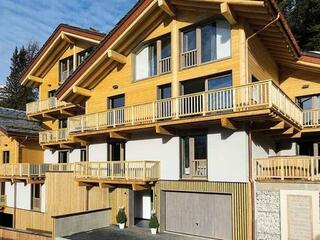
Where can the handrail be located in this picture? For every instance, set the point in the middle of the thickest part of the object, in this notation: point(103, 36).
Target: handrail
point(54, 136)
point(43, 105)
point(288, 167)
point(253, 96)
point(23, 170)
point(311, 118)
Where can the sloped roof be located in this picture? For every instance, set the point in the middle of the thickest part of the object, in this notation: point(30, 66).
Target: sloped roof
point(15, 122)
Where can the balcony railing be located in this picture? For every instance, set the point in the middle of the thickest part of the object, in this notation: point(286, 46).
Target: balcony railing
point(284, 168)
point(54, 136)
point(189, 58)
point(62, 167)
point(44, 105)
point(3, 200)
point(23, 170)
point(311, 118)
point(260, 95)
point(165, 65)
point(119, 170)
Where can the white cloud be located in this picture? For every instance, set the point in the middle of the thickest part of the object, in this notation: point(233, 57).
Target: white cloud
point(22, 21)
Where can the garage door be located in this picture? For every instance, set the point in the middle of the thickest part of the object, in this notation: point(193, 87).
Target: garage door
point(200, 214)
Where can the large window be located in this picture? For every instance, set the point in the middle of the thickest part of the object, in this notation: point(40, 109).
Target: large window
point(66, 68)
point(6, 156)
point(205, 43)
point(116, 151)
point(83, 155)
point(116, 101)
point(63, 157)
point(153, 59)
point(309, 102)
point(81, 56)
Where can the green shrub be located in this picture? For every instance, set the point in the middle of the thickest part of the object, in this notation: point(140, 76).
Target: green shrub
point(154, 223)
point(121, 216)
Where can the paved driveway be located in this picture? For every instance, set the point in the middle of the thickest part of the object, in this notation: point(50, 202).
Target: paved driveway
point(113, 233)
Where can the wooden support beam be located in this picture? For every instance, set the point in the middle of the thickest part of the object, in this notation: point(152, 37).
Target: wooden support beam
point(163, 131)
point(81, 91)
point(296, 135)
point(47, 116)
point(66, 113)
point(118, 135)
point(166, 7)
point(65, 146)
point(267, 127)
point(136, 187)
point(115, 56)
point(227, 12)
point(82, 142)
point(66, 38)
point(35, 79)
point(288, 131)
point(105, 185)
point(85, 184)
point(226, 123)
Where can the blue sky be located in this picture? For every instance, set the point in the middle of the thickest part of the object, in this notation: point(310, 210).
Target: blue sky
point(22, 21)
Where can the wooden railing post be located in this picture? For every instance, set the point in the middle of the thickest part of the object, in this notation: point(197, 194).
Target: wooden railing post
point(281, 168)
point(153, 112)
point(98, 175)
point(204, 103)
point(269, 93)
point(114, 117)
point(112, 172)
point(132, 116)
point(144, 170)
point(82, 123)
point(312, 170)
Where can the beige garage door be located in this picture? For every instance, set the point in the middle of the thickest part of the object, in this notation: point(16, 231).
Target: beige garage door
point(199, 214)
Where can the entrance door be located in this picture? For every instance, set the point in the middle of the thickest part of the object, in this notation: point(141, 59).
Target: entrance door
point(142, 207)
point(194, 156)
point(116, 155)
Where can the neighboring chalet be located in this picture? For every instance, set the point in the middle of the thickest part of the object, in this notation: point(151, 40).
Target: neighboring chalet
point(205, 111)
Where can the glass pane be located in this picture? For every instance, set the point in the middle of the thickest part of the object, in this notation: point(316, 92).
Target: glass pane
point(220, 82)
point(37, 191)
point(117, 101)
point(185, 156)
point(200, 147)
point(305, 102)
point(142, 66)
point(193, 86)
point(152, 59)
point(208, 43)
point(189, 40)
point(115, 151)
point(165, 91)
point(63, 123)
point(165, 48)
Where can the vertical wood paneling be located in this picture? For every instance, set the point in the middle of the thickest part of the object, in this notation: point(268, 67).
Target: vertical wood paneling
point(240, 200)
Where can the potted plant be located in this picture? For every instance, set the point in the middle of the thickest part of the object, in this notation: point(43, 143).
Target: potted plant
point(121, 218)
point(154, 223)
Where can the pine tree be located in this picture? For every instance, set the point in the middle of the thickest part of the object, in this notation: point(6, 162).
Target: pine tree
point(303, 17)
point(15, 95)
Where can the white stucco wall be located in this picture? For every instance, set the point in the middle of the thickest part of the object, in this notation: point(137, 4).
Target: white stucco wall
point(262, 146)
point(165, 150)
point(228, 156)
point(287, 149)
point(10, 194)
point(50, 156)
point(24, 196)
point(74, 156)
point(98, 152)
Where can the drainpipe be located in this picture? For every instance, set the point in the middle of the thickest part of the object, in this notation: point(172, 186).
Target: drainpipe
point(251, 178)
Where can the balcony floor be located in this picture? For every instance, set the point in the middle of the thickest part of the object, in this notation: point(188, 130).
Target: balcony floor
point(113, 182)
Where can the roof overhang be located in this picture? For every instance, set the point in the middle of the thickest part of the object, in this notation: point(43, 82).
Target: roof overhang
point(63, 36)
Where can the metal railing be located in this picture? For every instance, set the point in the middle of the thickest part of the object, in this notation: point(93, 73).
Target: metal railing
point(54, 136)
point(165, 65)
point(254, 96)
point(119, 170)
point(189, 58)
point(3, 200)
point(44, 105)
point(23, 170)
point(291, 167)
point(311, 118)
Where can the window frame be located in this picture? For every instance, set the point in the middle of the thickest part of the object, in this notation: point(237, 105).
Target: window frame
point(68, 153)
point(158, 43)
point(83, 154)
point(6, 157)
point(197, 27)
point(84, 52)
point(67, 59)
point(33, 193)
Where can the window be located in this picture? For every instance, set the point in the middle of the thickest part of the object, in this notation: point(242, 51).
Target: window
point(63, 123)
point(116, 151)
point(205, 43)
point(220, 82)
point(51, 93)
point(2, 188)
point(309, 102)
point(66, 68)
point(153, 58)
point(194, 156)
point(81, 56)
point(116, 101)
point(83, 155)
point(164, 91)
point(63, 157)
point(6, 157)
point(36, 197)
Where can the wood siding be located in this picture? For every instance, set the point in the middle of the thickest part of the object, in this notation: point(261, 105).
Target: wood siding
point(240, 201)
point(7, 234)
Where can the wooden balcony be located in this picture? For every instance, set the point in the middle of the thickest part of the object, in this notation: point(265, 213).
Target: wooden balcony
point(54, 136)
point(23, 172)
point(234, 102)
point(304, 168)
point(50, 109)
point(3, 201)
point(118, 172)
point(311, 120)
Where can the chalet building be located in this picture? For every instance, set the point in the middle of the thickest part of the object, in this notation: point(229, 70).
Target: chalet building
point(205, 112)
